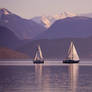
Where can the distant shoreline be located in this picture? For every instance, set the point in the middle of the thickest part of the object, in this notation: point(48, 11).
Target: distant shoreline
point(82, 59)
point(47, 63)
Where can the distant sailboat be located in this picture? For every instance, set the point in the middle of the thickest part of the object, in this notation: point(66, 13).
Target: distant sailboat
point(72, 55)
point(38, 57)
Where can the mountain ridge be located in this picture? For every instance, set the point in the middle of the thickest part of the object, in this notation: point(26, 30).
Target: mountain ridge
point(47, 21)
point(69, 27)
point(23, 28)
point(6, 53)
point(8, 38)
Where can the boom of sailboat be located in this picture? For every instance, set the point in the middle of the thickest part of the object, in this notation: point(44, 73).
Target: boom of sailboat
point(72, 56)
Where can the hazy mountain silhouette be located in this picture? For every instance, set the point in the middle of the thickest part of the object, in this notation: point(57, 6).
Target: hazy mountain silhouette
point(6, 54)
point(8, 38)
point(23, 28)
point(54, 41)
point(58, 48)
point(69, 27)
point(47, 21)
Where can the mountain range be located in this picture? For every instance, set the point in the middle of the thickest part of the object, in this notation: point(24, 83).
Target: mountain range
point(8, 38)
point(23, 28)
point(55, 40)
point(52, 33)
point(76, 27)
point(47, 21)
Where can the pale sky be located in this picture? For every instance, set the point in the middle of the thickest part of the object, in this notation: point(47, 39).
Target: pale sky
point(31, 8)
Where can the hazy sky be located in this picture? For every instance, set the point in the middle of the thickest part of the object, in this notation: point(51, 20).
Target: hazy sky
point(31, 8)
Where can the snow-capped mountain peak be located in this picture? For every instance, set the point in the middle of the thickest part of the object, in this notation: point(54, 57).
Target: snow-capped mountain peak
point(47, 21)
point(64, 15)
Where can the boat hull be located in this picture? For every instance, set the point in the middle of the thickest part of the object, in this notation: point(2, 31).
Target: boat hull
point(71, 61)
point(38, 61)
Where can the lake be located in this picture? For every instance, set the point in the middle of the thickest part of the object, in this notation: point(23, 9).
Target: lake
point(50, 77)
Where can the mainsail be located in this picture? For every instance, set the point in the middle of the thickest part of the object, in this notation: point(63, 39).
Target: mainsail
point(72, 53)
point(38, 55)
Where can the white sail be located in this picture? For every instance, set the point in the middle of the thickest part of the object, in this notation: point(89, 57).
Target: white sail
point(38, 55)
point(72, 53)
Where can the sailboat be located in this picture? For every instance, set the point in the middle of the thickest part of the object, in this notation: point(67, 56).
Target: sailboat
point(38, 57)
point(72, 55)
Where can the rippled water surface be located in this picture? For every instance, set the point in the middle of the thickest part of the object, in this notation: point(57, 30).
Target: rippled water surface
point(46, 78)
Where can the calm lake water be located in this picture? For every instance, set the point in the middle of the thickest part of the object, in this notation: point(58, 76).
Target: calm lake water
point(55, 77)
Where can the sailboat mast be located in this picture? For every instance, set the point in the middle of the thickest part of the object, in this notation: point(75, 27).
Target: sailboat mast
point(72, 50)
